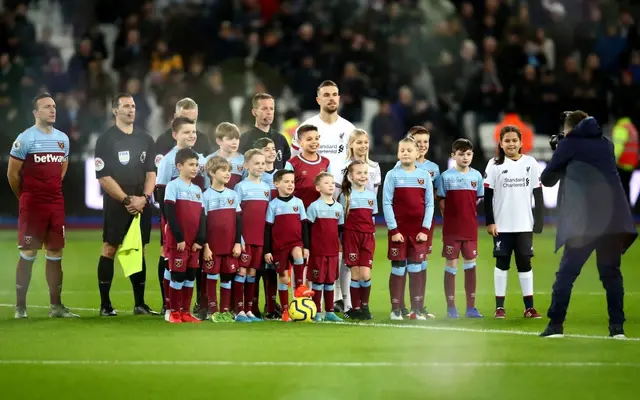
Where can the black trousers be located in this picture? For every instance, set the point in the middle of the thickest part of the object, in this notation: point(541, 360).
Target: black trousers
point(608, 257)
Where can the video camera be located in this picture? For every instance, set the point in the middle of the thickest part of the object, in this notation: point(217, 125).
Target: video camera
point(557, 138)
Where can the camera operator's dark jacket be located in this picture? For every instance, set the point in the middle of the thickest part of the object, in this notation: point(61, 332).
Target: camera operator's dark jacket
point(591, 201)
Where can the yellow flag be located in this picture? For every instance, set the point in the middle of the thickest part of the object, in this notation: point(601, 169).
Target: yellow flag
point(130, 252)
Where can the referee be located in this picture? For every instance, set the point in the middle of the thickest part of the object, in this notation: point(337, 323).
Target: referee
point(263, 108)
point(124, 164)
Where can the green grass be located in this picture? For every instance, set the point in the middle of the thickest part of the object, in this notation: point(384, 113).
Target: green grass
point(438, 359)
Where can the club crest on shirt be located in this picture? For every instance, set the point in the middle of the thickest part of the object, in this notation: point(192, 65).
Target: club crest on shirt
point(353, 257)
point(230, 201)
point(449, 249)
point(337, 214)
point(239, 168)
point(295, 208)
point(432, 173)
point(370, 203)
point(474, 184)
point(123, 157)
point(528, 169)
point(266, 194)
point(61, 145)
point(420, 181)
point(198, 196)
point(143, 157)
point(395, 252)
point(178, 262)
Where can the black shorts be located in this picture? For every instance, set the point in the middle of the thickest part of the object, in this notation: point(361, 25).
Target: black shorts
point(117, 221)
point(520, 243)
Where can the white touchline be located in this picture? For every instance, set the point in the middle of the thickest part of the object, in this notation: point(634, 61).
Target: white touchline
point(351, 364)
point(413, 326)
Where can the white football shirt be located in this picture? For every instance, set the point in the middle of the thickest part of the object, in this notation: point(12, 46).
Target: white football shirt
point(513, 183)
point(373, 184)
point(334, 139)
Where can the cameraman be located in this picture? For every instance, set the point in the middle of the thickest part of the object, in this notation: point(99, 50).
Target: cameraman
point(593, 215)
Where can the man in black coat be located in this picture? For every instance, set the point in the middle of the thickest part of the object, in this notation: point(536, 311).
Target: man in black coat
point(593, 215)
point(165, 142)
point(263, 108)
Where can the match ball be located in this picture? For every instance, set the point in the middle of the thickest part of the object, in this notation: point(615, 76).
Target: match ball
point(302, 309)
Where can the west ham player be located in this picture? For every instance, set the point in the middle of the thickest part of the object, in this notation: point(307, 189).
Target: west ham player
point(357, 149)
point(422, 136)
point(358, 241)
point(408, 211)
point(185, 135)
point(228, 138)
point(124, 164)
point(307, 164)
point(186, 108)
point(286, 237)
point(459, 190)
point(254, 196)
point(185, 235)
point(37, 167)
point(326, 220)
point(263, 109)
point(511, 179)
point(334, 135)
point(224, 230)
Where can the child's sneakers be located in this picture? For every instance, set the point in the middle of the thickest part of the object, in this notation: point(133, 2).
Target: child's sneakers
point(242, 317)
point(332, 317)
point(188, 317)
point(473, 313)
point(175, 317)
point(253, 318)
point(452, 313)
point(227, 317)
point(318, 317)
point(396, 315)
point(303, 291)
point(285, 316)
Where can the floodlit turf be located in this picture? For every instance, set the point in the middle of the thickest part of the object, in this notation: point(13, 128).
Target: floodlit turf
point(131, 357)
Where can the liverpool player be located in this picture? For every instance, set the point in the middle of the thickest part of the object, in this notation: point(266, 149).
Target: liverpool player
point(422, 136)
point(358, 241)
point(326, 220)
point(185, 135)
point(185, 235)
point(228, 138)
point(408, 211)
point(307, 164)
point(512, 180)
point(253, 195)
point(286, 237)
point(459, 190)
point(224, 230)
point(37, 167)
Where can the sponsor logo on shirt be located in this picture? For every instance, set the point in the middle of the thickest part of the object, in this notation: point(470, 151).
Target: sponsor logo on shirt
point(48, 158)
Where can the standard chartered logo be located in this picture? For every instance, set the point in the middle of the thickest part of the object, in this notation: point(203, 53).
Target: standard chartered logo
point(48, 158)
point(515, 182)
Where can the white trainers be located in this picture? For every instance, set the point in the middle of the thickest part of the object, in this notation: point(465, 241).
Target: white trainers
point(396, 315)
point(21, 313)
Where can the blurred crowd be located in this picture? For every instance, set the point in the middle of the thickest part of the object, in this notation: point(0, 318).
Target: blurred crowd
point(428, 62)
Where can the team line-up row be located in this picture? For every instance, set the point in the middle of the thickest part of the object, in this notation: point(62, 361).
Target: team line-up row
point(237, 215)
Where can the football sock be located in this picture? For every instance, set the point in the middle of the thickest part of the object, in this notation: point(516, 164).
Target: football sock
point(53, 267)
point(298, 272)
point(423, 283)
point(403, 289)
point(470, 283)
point(345, 281)
point(526, 284)
point(450, 286)
point(500, 286)
point(199, 283)
point(396, 284)
point(23, 278)
point(187, 295)
point(354, 288)
point(317, 295)
point(202, 287)
point(161, 268)
point(105, 277)
point(338, 285)
point(238, 293)
point(414, 285)
point(175, 292)
point(256, 294)
point(328, 298)
point(365, 292)
point(283, 294)
point(225, 295)
point(212, 295)
point(249, 293)
point(271, 290)
point(165, 285)
point(137, 283)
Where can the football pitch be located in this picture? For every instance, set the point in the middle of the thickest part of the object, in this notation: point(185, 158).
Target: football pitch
point(136, 357)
